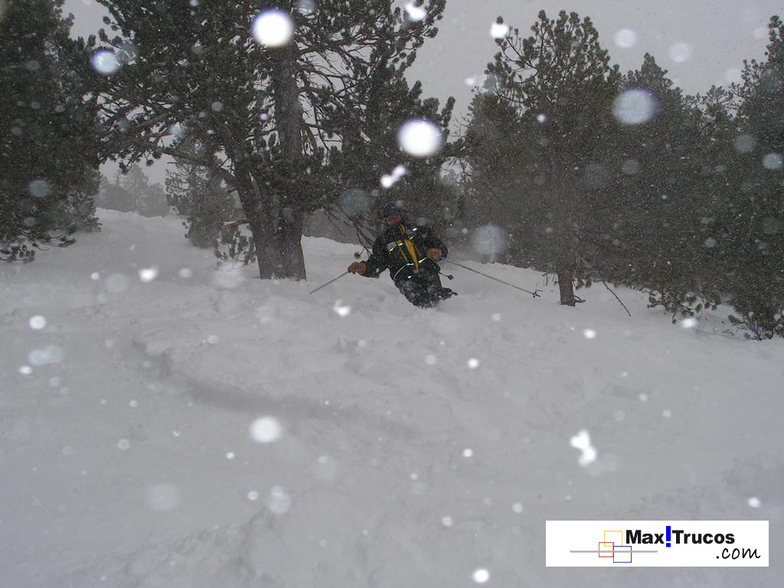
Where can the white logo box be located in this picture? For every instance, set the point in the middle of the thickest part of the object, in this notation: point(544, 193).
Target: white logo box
point(644, 544)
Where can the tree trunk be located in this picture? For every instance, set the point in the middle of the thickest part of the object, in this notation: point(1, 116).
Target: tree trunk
point(564, 267)
point(287, 206)
point(564, 262)
point(290, 240)
point(262, 226)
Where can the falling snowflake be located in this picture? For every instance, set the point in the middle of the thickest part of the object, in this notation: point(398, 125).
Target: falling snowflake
point(340, 309)
point(635, 106)
point(273, 28)
point(481, 576)
point(773, 161)
point(689, 323)
point(354, 201)
point(745, 143)
point(148, 274)
point(420, 138)
point(48, 355)
point(630, 167)
point(39, 188)
point(306, 6)
point(414, 12)
point(681, 52)
point(625, 38)
point(266, 430)
point(499, 30)
point(582, 441)
point(278, 502)
point(37, 322)
point(389, 180)
point(104, 61)
point(490, 240)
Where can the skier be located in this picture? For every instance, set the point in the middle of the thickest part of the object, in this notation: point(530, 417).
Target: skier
point(410, 254)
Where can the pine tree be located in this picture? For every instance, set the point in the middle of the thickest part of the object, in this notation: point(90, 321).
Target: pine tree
point(81, 202)
point(135, 183)
point(148, 199)
point(199, 197)
point(113, 196)
point(266, 108)
point(154, 202)
point(651, 224)
point(48, 135)
point(132, 192)
point(754, 226)
point(505, 181)
point(371, 162)
point(561, 84)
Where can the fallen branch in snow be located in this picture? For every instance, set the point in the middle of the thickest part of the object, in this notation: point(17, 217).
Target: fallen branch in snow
point(616, 297)
point(605, 285)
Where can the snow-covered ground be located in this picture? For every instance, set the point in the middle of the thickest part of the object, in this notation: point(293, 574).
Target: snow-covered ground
point(168, 424)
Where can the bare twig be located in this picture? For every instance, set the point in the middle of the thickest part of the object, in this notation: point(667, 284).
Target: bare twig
point(605, 285)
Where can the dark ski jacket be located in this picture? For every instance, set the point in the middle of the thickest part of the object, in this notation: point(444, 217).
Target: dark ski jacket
point(403, 251)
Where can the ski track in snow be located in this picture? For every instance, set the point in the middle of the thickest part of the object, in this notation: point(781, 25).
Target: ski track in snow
point(117, 449)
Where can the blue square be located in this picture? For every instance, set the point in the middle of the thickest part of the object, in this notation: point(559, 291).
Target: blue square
point(622, 554)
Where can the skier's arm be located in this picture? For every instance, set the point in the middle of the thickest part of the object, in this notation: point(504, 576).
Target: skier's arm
point(378, 260)
point(433, 242)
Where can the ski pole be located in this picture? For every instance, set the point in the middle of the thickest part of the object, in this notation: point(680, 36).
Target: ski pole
point(535, 293)
point(328, 283)
point(450, 276)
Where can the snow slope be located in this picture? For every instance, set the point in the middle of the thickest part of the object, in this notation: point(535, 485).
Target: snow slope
point(398, 446)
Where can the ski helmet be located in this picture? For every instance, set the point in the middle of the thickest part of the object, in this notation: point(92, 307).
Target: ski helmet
point(393, 207)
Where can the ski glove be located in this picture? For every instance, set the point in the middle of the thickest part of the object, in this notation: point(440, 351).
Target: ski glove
point(358, 267)
point(434, 254)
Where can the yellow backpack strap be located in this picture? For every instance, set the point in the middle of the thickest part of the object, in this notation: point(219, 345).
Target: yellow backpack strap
point(410, 247)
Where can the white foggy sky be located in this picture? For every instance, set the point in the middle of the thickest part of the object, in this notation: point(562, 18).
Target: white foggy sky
point(720, 33)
